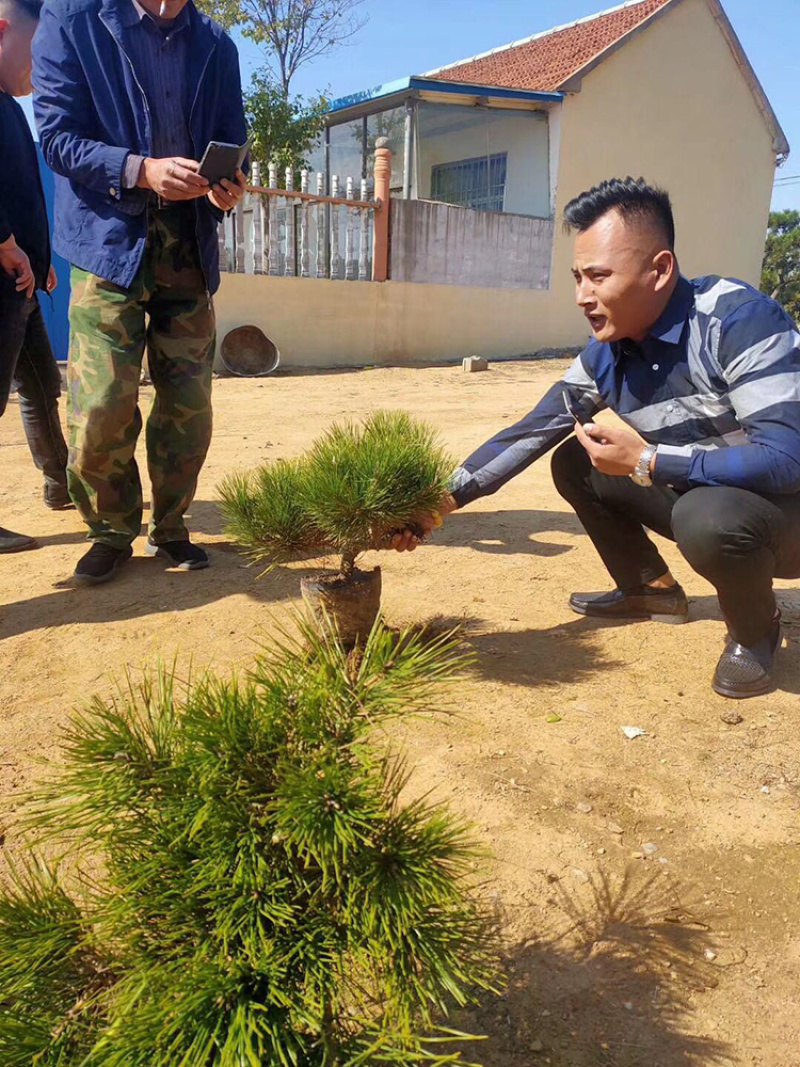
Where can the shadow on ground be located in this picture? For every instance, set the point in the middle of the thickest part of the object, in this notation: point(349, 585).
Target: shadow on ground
point(509, 532)
point(559, 654)
point(145, 587)
point(612, 986)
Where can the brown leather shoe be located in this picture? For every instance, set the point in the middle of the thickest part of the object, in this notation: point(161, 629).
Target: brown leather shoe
point(14, 542)
point(660, 605)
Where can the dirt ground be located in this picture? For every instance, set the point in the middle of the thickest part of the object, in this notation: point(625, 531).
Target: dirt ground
point(648, 888)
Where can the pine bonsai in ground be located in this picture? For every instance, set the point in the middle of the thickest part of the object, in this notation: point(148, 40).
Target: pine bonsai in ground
point(266, 898)
point(345, 495)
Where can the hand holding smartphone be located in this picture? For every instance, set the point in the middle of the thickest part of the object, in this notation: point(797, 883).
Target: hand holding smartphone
point(574, 409)
point(580, 417)
point(222, 160)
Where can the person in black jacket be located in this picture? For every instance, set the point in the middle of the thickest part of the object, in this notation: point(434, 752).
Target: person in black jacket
point(26, 358)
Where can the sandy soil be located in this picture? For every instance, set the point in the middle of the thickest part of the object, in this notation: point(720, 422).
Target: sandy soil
point(683, 952)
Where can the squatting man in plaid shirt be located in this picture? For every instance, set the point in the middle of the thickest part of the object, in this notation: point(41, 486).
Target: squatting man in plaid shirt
point(707, 374)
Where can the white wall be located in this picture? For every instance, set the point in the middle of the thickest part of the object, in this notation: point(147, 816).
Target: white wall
point(321, 323)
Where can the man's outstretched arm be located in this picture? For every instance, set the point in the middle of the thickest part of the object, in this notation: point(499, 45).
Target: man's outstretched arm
point(514, 448)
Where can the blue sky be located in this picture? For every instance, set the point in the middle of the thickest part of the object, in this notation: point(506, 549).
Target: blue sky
point(411, 36)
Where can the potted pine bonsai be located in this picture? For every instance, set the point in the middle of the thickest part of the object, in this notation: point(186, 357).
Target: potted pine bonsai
point(264, 896)
point(357, 484)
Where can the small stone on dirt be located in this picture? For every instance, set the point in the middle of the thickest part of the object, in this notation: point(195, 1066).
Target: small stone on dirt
point(649, 849)
point(632, 732)
point(637, 855)
point(536, 1045)
point(710, 955)
point(615, 828)
point(583, 807)
point(472, 364)
point(732, 717)
point(552, 717)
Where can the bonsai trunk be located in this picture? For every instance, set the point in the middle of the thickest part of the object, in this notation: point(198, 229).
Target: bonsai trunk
point(350, 599)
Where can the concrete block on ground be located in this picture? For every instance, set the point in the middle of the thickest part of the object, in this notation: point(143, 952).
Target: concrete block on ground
point(472, 364)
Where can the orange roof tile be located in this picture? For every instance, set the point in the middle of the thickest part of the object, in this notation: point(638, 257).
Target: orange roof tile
point(546, 61)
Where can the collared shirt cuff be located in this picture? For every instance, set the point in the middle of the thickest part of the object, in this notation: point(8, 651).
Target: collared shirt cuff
point(672, 465)
point(462, 487)
point(131, 171)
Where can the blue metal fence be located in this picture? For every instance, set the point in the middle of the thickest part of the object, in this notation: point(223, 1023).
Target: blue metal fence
point(55, 307)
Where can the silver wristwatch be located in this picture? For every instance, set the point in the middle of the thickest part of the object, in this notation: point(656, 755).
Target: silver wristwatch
point(641, 473)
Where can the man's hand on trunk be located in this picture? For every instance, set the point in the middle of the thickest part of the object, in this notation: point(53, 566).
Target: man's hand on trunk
point(408, 539)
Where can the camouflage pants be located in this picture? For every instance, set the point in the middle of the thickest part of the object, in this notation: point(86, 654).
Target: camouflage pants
point(168, 311)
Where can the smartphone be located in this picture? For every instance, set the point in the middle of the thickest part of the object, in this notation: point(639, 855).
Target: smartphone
point(573, 408)
point(222, 160)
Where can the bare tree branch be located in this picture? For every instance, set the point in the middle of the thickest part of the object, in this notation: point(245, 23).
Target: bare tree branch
point(293, 32)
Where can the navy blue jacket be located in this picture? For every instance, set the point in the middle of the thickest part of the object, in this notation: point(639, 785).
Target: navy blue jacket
point(23, 212)
point(91, 113)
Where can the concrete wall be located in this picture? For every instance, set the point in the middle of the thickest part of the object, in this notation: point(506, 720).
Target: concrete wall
point(440, 244)
point(340, 324)
point(671, 105)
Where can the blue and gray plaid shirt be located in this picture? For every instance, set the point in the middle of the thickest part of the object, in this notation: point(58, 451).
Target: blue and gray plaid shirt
point(716, 386)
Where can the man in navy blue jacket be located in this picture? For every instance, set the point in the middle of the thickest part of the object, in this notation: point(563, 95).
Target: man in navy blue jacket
point(127, 94)
point(26, 358)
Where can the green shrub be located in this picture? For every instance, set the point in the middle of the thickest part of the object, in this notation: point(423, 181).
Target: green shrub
point(265, 896)
point(355, 484)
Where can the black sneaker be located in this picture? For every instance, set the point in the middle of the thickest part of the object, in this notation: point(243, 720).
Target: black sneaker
point(101, 563)
point(181, 554)
point(645, 602)
point(14, 542)
point(747, 672)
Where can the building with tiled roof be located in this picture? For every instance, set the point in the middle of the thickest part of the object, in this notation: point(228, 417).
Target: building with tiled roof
point(557, 59)
point(487, 150)
point(547, 60)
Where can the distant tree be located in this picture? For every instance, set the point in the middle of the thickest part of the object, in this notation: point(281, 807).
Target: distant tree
point(292, 32)
point(283, 129)
point(781, 271)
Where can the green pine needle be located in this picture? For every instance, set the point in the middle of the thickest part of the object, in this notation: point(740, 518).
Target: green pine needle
point(267, 895)
point(356, 484)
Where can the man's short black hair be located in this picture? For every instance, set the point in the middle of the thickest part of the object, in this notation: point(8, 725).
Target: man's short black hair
point(633, 198)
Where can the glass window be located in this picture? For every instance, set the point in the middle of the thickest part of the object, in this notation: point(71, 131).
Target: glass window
point(495, 159)
point(315, 159)
point(477, 183)
point(347, 152)
point(391, 124)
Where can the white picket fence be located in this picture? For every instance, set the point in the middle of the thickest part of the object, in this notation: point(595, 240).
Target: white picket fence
point(301, 233)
